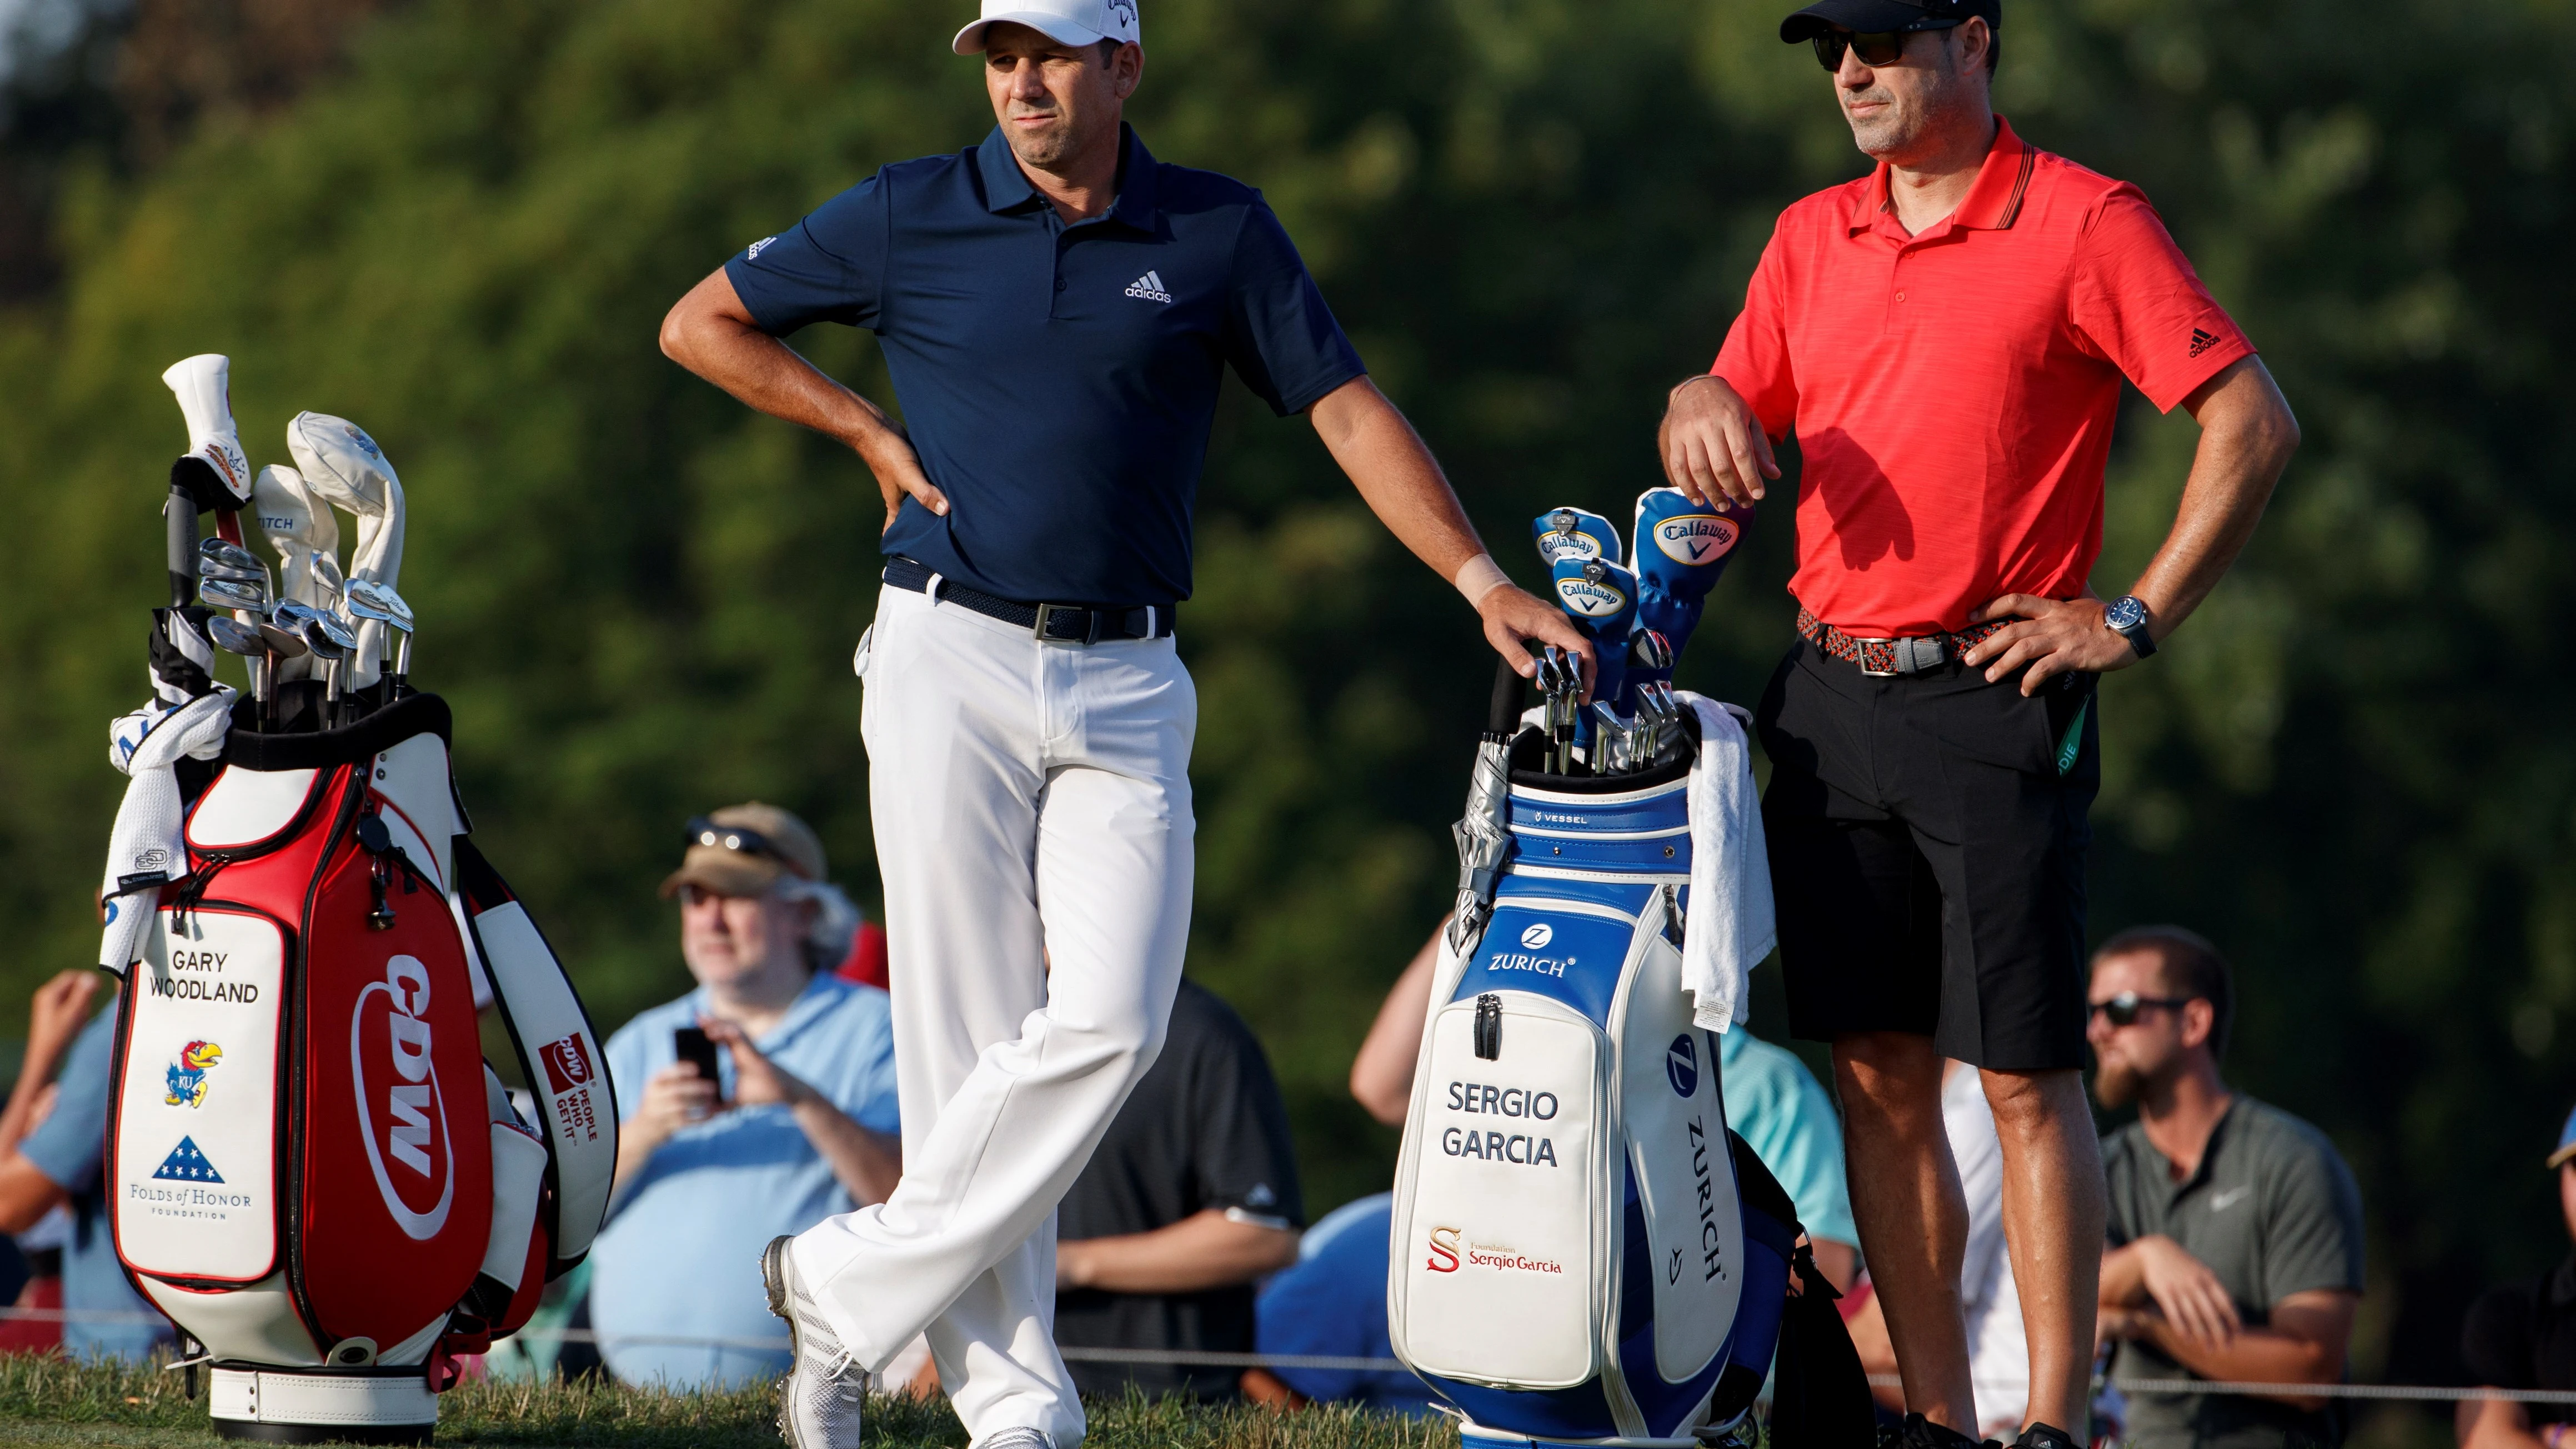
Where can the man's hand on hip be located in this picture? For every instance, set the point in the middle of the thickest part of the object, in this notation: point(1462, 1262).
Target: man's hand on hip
point(2052, 637)
point(1713, 445)
point(711, 333)
point(897, 469)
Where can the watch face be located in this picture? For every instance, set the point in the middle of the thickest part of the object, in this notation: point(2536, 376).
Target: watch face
point(2126, 613)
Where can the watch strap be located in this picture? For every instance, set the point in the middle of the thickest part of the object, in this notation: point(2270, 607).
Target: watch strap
point(2137, 635)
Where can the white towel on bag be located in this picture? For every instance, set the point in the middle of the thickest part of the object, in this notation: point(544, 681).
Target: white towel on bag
point(148, 848)
point(1731, 926)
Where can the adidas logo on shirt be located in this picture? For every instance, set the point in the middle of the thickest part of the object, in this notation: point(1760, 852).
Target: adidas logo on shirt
point(1149, 287)
point(2202, 341)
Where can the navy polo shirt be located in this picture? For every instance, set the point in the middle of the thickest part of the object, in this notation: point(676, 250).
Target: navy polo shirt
point(1058, 381)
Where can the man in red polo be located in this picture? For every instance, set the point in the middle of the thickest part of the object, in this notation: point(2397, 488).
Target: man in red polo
point(1947, 337)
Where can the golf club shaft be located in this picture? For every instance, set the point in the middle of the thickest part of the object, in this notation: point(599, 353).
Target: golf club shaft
point(179, 520)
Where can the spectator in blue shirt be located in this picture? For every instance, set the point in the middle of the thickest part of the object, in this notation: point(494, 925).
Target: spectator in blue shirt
point(58, 1162)
point(1332, 1304)
point(798, 1124)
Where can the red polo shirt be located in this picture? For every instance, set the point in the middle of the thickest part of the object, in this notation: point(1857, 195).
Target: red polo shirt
point(1953, 392)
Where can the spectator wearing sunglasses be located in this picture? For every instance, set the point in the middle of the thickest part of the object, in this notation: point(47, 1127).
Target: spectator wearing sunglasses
point(2235, 1228)
point(1947, 337)
point(797, 1123)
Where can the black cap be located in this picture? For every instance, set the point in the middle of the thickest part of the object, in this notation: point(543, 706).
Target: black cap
point(1869, 17)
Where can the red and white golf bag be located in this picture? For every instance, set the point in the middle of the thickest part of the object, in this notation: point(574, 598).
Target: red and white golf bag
point(312, 1170)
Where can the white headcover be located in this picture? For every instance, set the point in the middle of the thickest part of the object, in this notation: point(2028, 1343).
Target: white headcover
point(344, 467)
point(203, 385)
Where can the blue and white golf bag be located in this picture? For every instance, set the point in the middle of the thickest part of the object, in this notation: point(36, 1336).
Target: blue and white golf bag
point(1583, 1253)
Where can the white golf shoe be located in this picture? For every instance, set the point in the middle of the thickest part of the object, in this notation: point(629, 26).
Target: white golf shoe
point(819, 1400)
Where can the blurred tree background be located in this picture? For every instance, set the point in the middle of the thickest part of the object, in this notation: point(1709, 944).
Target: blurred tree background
point(459, 221)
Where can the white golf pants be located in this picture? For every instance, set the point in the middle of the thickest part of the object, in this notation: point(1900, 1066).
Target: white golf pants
point(1032, 803)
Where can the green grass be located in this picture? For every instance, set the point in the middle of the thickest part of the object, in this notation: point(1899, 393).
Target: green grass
point(48, 1401)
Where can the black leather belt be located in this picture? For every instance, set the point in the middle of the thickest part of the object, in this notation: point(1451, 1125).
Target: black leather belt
point(1061, 623)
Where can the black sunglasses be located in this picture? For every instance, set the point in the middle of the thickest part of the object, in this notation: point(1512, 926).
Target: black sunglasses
point(2123, 1009)
point(703, 831)
point(1876, 47)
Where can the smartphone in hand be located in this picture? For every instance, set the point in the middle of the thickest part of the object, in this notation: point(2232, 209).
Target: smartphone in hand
point(698, 1050)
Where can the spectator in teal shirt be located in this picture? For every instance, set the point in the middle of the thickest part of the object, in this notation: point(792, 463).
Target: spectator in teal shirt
point(798, 1124)
point(1776, 1105)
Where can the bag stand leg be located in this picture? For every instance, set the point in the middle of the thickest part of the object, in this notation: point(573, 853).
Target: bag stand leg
point(313, 1406)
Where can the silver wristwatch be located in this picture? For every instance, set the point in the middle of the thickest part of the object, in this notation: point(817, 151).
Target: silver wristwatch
point(2128, 619)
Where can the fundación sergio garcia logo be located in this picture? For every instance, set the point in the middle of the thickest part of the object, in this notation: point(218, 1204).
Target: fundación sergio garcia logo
point(401, 1116)
point(1447, 1251)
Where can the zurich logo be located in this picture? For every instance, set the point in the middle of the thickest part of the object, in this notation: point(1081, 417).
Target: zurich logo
point(1537, 937)
point(1681, 1065)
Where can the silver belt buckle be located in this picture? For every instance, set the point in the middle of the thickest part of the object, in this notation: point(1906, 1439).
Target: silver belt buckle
point(1037, 626)
point(1863, 660)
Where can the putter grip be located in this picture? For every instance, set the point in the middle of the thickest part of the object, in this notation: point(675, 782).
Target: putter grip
point(1503, 714)
point(179, 518)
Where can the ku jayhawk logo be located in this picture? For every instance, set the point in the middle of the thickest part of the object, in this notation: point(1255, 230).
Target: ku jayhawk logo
point(188, 1073)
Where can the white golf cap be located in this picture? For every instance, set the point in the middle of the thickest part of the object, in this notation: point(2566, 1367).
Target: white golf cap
point(1066, 22)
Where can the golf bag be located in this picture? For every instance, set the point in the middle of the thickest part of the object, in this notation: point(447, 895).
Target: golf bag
point(313, 1172)
point(1583, 1252)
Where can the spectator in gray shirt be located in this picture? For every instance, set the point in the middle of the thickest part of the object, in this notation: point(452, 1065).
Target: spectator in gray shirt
point(2235, 1228)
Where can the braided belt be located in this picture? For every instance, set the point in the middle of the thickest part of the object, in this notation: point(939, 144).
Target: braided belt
point(1891, 658)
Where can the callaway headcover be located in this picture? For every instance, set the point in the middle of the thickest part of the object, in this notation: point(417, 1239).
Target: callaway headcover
point(1601, 598)
point(1681, 548)
point(1573, 533)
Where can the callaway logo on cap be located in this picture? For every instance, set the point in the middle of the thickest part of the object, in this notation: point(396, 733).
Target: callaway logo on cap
point(1066, 22)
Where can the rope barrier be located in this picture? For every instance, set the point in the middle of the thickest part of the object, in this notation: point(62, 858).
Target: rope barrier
point(1331, 1363)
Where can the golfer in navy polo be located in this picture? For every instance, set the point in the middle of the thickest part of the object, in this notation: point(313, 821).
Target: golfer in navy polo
point(1056, 309)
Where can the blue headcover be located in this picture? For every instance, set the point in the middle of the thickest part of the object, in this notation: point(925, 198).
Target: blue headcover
point(1600, 596)
point(1681, 548)
point(1590, 536)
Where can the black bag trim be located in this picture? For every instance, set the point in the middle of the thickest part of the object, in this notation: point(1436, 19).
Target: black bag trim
point(413, 714)
point(1529, 745)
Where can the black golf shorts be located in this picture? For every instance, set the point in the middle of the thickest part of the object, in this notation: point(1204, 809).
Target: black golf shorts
point(1927, 854)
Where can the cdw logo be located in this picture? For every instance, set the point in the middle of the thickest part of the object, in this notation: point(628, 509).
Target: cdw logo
point(400, 1111)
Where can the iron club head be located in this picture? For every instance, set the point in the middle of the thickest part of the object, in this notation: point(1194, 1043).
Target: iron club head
point(235, 637)
point(241, 594)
